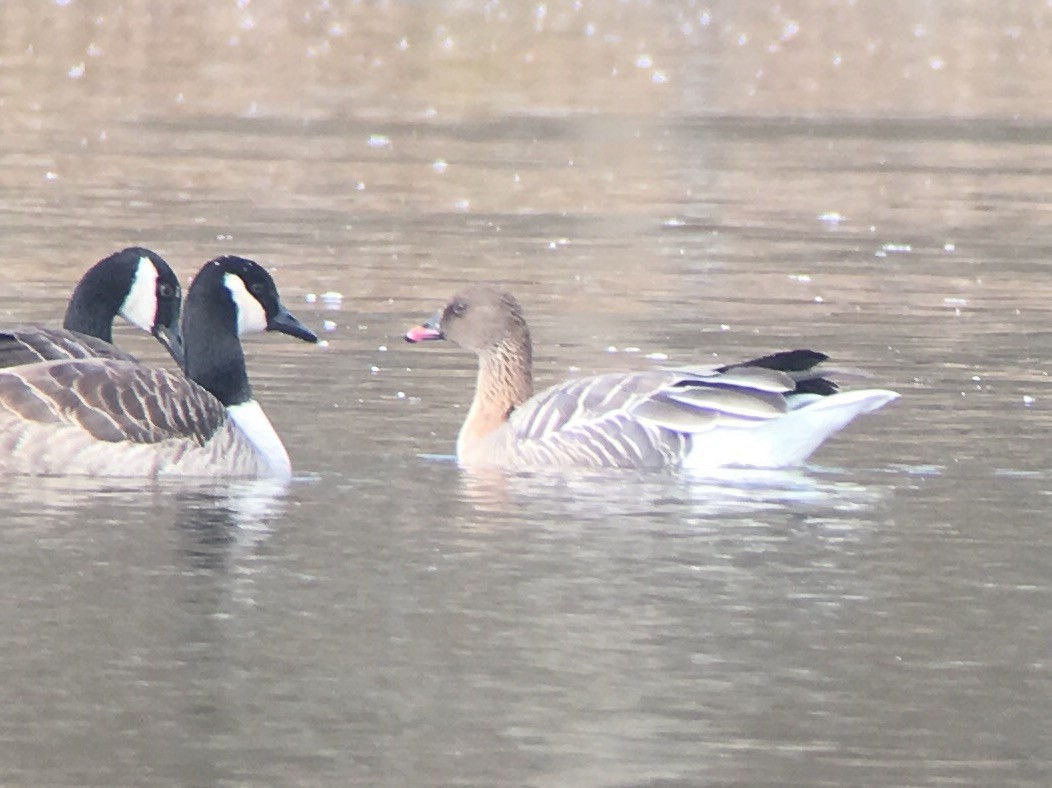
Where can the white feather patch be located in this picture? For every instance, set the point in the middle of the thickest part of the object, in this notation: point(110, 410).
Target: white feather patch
point(251, 420)
point(251, 317)
point(140, 305)
point(785, 440)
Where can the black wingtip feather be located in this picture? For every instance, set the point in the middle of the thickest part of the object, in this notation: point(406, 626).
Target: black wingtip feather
point(795, 362)
point(821, 386)
point(786, 361)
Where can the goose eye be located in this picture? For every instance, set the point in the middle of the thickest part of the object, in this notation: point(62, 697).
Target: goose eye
point(165, 290)
point(256, 288)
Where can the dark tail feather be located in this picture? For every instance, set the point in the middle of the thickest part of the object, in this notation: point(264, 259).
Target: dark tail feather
point(799, 365)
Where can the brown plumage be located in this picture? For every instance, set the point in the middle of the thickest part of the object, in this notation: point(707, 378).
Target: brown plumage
point(30, 344)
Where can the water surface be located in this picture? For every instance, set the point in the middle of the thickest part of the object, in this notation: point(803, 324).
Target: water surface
point(706, 183)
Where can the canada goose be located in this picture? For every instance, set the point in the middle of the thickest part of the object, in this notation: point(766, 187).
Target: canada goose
point(135, 283)
point(770, 412)
point(113, 417)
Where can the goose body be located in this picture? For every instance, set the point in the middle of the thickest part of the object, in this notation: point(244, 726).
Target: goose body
point(771, 412)
point(134, 283)
point(115, 417)
point(118, 418)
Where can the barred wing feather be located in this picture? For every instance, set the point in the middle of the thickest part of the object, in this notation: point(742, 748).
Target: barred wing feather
point(111, 400)
point(644, 419)
point(31, 344)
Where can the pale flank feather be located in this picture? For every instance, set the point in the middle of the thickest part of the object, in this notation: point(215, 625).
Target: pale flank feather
point(787, 440)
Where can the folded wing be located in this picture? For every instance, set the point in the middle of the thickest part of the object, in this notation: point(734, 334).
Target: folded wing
point(31, 344)
point(644, 419)
point(111, 400)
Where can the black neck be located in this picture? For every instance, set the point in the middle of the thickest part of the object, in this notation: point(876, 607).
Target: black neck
point(214, 358)
point(92, 308)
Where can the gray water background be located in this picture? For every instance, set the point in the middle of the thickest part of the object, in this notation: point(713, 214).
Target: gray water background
point(704, 181)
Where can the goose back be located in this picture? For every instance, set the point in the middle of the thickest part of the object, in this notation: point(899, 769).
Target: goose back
point(29, 344)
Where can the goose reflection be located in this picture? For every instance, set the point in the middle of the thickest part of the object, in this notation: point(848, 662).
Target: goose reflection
point(553, 495)
point(214, 521)
point(218, 522)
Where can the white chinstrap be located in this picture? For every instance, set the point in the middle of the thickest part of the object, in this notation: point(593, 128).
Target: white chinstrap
point(140, 305)
point(251, 317)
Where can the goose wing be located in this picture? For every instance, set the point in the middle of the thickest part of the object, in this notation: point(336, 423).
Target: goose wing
point(800, 365)
point(588, 421)
point(111, 400)
point(644, 419)
point(30, 344)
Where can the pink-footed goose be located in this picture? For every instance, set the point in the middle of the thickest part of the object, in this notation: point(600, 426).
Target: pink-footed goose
point(771, 412)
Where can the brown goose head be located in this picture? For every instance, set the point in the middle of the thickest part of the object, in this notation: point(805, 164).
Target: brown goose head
point(481, 317)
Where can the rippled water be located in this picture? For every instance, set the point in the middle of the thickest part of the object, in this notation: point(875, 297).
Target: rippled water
point(700, 182)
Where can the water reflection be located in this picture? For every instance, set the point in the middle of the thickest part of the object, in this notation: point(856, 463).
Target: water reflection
point(219, 523)
point(214, 519)
point(240, 507)
point(557, 496)
point(131, 585)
